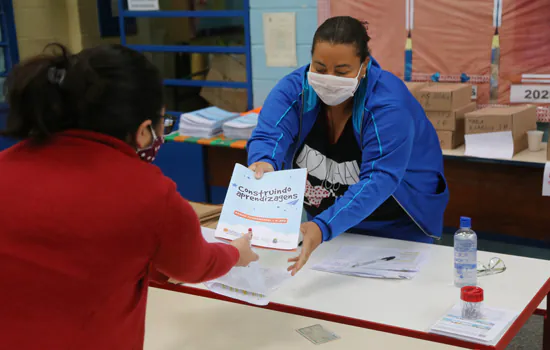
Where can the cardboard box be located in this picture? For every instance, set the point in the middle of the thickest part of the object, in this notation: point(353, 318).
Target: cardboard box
point(445, 96)
point(415, 87)
point(450, 139)
point(227, 68)
point(517, 119)
point(451, 120)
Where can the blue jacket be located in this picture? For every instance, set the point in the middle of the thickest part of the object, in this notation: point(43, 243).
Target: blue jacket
point(401, 155)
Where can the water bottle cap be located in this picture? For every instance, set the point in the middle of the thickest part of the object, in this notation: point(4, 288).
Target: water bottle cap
point(465, 222)
point(471, 294)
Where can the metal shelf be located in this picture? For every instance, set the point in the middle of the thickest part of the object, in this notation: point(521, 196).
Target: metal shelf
point(195, 14)
point(206, 83)
point(190, 49)
point(243, 50)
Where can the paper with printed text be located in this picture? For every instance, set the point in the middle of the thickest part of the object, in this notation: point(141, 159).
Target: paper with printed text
point(270, 206)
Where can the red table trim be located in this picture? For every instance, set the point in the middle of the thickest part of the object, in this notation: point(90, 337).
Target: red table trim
point(524, 316)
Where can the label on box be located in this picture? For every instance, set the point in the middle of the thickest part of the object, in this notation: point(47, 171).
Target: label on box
point(474, 92)
point(482, 125)
point(143, 5)
point(530, 93)
point(546, 180)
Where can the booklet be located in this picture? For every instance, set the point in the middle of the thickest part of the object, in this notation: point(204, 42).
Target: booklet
point(252, 284)
point(241, 128)
point(270, 206)
point(486, 330)
point(390, 263)
point(206, 122)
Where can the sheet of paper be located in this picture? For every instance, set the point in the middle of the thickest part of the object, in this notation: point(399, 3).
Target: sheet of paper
point(546, 180)
point(499, 145)
point(143, 5)
point(317, 334)
point(280, 39)
point(487, 330)
point(369, 262)
point(271, 207)
point(252, 284)
point(370, 273)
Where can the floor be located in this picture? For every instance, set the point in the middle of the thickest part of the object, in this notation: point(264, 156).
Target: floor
point(530, 336)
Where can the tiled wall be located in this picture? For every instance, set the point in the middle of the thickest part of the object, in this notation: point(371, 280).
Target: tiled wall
point(265, 78)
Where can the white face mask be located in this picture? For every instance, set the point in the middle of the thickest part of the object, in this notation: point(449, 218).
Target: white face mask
point(333, 90)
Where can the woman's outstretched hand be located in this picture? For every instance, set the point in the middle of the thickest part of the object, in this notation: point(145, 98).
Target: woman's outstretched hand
point(313, 237)
point(260, 168)
point(246, 255)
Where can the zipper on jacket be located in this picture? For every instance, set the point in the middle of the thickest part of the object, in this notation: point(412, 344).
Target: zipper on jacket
point(415, 222)
point(297, 145)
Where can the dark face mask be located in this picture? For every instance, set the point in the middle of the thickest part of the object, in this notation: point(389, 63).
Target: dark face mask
point(148, 154)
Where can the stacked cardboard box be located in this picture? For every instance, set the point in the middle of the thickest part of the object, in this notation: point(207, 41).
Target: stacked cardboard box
point(208, 214)
point(415, 87)
point(446, 105)
point(227, 68)
point(517, 120)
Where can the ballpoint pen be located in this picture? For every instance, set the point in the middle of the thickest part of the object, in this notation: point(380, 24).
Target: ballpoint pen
point(388, 258)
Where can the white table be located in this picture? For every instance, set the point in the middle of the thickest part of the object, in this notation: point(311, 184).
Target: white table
point(181, 321)
point(406, 307)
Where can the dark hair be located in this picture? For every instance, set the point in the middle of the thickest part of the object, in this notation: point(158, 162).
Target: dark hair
point(108, 89)
point(344, 30)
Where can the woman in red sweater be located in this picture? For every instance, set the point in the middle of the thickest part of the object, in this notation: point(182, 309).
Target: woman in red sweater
point(84, 217)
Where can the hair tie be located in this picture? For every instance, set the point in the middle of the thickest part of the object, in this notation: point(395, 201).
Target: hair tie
point(56, 75)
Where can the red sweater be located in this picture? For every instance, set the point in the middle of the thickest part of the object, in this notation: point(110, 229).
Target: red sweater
point(82, 219)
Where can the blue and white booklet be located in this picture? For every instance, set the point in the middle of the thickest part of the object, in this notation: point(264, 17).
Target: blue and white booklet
point(206, 122)
point(270, 206)
point(241, 128)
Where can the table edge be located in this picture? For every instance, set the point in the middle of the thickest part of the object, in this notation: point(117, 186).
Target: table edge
point(511, 162)
point(528, 311)
point(334, 318)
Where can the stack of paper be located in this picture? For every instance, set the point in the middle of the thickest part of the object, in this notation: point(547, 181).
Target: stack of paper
point(373, 262)
point(204, 123)
point(252, 284)
point(241, 128)
point(487, 330)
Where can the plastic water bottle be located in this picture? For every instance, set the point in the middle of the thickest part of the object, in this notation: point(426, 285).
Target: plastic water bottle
point(465, 244)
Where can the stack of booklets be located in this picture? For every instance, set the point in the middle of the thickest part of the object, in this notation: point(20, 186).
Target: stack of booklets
point(208, 214)
point(386, 263)
point(487, 330)
point(241, 128)
point(204, 123)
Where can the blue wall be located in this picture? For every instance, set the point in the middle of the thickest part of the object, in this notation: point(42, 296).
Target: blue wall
point(265, 78)
point(4, 142)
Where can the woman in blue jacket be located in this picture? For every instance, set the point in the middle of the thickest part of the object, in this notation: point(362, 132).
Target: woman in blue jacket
point(373, 159)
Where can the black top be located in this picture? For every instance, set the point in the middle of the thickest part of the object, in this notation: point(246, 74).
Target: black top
point(332, 168)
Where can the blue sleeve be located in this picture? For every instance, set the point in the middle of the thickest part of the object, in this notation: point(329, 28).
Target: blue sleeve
point(277, 127)
point(387, 143)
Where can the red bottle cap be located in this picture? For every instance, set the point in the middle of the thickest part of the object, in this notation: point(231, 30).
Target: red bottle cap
point(471, 294)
